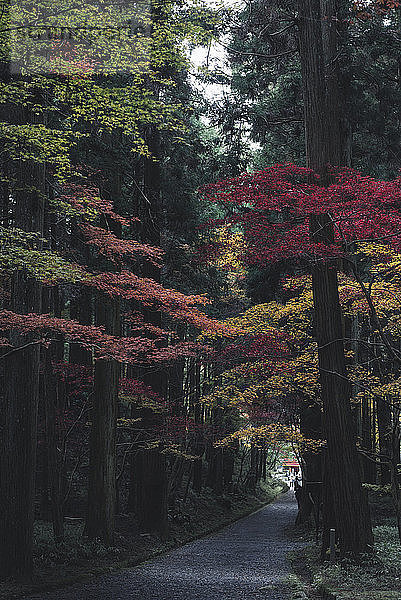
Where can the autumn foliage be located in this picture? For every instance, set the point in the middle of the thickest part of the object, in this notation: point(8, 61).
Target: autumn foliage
point(273, 207)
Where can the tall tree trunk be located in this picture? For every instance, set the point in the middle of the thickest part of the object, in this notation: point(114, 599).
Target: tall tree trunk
point(81, 310)
point(367, 431)
point(395, 464)
point(311, 54)
point(314, 91)
point(310, 494)
point(102, 464)
point(176, 389)
point(52, 401)
point(54, 478)
point(19, 401)
point(199, 443)
point(214, 455)
point(385, 431)
point(102, 491)
point(345, 506)
point(151, 465)
point(151, 494)
point(338, 132)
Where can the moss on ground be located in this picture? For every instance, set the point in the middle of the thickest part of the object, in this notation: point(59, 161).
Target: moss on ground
point(372, 577)
point(76, 559)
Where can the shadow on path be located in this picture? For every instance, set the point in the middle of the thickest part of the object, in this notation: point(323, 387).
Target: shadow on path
point(246, 560)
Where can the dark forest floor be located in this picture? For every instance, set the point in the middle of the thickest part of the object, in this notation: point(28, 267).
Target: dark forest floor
point(76, 559)
point(373, 577)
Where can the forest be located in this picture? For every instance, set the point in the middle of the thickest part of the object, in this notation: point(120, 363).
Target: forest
point(200, 282)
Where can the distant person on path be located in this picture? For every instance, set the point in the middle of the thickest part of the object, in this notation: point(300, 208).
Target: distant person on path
point(292, 480)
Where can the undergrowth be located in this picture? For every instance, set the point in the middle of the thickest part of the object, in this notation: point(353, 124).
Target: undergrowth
point(375, 576)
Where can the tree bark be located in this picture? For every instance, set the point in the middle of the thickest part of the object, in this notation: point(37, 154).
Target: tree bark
point(385, 431)
point(314, 92)
point(102, 464)
point(151, 494)
point(151, 465)
point(199, 443)
point(367, 431)
point(310, 494)
point(19, 401)
point(54, 478)
point(343, 498)
point(81, 310)
point(345, 505)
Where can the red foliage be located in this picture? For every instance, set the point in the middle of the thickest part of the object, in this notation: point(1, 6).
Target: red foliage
point(273, 206)
point(138, 326)
point(115, 248)
point(130, 349)
point(77, 378)
point(181, 350)
point(274, 346)
point(84, 198)
point(151, 294)
point(134, 388)
point(135, 350)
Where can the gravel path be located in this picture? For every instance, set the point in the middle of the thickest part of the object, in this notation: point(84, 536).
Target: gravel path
point(246, 560)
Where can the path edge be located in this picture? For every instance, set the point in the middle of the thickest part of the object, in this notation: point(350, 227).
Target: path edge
point(129, 564)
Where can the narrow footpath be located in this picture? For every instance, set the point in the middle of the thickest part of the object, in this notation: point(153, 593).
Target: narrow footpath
point(246, 560)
